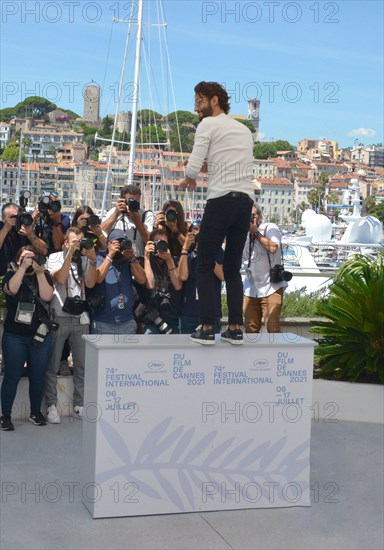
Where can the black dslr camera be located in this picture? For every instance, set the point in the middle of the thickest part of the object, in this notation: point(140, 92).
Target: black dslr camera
point(159, 304)
point(93, 221)
point(45, 203)
point(86, 243)
point(23, 218)
point(160, 246)
point(40, 259)
point(125, 244)
point(277, 274)
point(171, 215)
point(133, 205)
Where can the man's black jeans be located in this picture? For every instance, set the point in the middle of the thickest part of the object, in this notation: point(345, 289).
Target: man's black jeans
point(228, 218)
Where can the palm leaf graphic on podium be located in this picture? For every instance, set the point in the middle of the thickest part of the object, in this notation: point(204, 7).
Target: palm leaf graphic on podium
point(201, 461)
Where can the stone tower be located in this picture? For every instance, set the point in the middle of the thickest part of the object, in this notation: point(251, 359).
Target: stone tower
point(254, 115)
point(91, 103)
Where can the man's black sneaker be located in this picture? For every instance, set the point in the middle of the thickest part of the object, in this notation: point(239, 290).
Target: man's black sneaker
point(6, 424)
point(205, 337)
point(232, 336)
point(38, 419)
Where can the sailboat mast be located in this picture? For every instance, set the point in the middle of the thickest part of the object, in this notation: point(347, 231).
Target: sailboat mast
point(18, 187)
point(135, 93)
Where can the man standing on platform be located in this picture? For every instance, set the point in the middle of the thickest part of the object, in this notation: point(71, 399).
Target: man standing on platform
point(226, 146)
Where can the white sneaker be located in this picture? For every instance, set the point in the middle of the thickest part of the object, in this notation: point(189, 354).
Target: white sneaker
point(52, 415)
point(78, 412)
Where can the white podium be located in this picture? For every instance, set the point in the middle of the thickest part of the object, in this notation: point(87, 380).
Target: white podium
point(171, 426)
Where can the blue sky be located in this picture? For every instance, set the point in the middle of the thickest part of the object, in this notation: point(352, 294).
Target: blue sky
point(316, 66)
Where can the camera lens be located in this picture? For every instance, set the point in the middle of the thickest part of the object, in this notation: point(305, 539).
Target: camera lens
point(171, 215)
point(161, 246)
point(125, 244)
point(133, 205)
point(86, 243)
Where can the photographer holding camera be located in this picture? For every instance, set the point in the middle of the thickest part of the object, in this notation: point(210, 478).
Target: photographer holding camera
point(172, 219)
point(162, 316)
point(90, 224)
point(111, 299)
point(263, 298)
point(127, 215)
point(27, 335)
point(14, 234)
point(73, 269)
point(187, 270)
point(51, 224)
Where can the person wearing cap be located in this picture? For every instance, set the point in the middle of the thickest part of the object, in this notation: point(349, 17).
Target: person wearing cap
point(112, 297)
point(226, 146)
point(51, 224)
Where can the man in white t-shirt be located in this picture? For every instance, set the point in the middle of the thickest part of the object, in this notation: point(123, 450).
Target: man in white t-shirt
point(224, 147)
point(263, 299)
point(73, 269)
point(127, 215)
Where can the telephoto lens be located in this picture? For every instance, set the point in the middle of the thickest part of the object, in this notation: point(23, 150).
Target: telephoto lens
point(23, 219)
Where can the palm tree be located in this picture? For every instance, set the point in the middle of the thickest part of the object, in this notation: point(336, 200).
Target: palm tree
point(351, 339)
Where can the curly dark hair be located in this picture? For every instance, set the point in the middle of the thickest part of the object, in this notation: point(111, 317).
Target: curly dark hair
point(210, 89)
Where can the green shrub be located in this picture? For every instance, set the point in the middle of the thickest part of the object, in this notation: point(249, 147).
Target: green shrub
point(351, 342)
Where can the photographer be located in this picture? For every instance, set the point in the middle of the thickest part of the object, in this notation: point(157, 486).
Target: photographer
point(135, 222)
point(172, 219)
point(111, 299)
point(162, 315)
point(190, 307)
point(51, 224)
point(72, 271)
point(90, 224)
point(13, 238)
point(26, 333)
point(263, 299)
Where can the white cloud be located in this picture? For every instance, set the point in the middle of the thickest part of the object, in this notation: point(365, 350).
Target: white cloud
point(362, 132)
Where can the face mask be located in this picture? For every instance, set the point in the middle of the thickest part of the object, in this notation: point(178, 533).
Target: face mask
point(29, 269)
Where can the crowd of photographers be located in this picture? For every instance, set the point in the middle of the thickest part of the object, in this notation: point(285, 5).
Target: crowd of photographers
point(134, 272)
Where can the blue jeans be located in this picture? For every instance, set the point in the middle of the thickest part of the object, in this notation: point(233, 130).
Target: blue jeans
point(224, 218)
point(17, 349)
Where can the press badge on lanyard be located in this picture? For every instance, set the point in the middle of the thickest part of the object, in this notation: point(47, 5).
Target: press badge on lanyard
point(24, 312)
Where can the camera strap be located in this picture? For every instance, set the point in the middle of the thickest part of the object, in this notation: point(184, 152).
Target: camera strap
point(36, 298)
point(118, 280)
point(252, 239)
point(79, 284)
